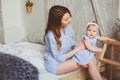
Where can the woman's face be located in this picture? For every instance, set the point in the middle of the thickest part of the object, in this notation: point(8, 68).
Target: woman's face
point(66, 19)
point(92, 31)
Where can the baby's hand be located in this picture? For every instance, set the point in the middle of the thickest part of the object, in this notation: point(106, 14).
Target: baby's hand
point(111, 39)
point(99, 50)
point(106, 39)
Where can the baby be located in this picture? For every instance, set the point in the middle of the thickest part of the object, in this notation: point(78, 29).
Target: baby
point(89, 40)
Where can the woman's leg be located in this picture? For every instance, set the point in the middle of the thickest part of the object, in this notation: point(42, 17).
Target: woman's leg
point(93, 71)
point(95, 61)
point(70, 65)
point(67, 66)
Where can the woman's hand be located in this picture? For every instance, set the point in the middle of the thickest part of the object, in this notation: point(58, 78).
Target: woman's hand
point(80, 46)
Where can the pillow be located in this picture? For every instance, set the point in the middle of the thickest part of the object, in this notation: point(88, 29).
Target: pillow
point(34, 38)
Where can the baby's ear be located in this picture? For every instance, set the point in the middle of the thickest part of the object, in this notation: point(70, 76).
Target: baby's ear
point(98, 32)
point(84, 38)
point(95, 22)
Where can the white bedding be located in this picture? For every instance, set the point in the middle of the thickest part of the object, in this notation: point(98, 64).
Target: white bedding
point(34, 53)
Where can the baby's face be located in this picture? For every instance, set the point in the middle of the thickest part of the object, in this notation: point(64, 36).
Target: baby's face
point(92, 31)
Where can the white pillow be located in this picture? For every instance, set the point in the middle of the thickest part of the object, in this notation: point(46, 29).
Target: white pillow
point(34, 38)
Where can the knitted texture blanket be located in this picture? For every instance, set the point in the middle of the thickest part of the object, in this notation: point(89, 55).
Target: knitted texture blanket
point(14, 68)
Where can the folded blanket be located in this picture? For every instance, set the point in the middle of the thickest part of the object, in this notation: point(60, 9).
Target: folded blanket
point(14, 68)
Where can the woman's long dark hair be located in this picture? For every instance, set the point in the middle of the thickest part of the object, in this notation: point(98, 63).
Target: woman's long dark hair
point(54, 22)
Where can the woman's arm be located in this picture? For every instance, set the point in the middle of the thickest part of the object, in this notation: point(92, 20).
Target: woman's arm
point(51, 47)
point(75, 50)
point(90, 47)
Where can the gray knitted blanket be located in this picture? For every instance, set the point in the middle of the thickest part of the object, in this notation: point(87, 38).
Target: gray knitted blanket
point(14, 68)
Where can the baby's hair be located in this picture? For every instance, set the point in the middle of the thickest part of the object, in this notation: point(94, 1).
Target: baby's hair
point(93, 23)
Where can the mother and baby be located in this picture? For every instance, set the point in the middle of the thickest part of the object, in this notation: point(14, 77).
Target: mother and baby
point(60, 58)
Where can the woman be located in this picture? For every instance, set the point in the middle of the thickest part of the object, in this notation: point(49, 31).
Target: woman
point(58, 41)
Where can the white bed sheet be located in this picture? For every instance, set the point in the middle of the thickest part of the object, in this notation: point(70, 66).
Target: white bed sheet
point(34, 53)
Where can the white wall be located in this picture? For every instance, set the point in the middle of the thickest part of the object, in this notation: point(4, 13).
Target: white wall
point(1, 27)
point(34, 22)
point(119, 10)
point(12, 20)
point(18, 23)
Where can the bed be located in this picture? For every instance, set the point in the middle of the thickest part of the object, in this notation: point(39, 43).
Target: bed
point(33, 53)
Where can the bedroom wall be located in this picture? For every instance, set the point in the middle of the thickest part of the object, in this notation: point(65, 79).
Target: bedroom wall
point(18, 23)
point(1, 26)
point(106, 13)
point(12, 20)
point(34, 22)
point(119, 10)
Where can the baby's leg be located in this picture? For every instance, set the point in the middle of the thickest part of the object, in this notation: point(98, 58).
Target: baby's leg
point(83, 65)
